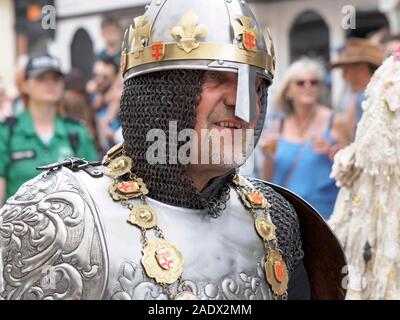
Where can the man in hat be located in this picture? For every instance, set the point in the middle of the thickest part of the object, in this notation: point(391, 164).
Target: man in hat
point(358, 61)
point(167, 216)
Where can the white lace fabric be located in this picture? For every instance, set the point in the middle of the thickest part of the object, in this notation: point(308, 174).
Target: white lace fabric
point(367, 210)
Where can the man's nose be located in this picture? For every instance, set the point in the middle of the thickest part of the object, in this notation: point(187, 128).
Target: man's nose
point(230, 93)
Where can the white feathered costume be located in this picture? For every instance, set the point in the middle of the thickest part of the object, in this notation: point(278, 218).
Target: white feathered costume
point(366, 217)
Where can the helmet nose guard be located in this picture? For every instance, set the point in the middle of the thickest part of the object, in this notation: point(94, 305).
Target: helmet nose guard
point(219, 35)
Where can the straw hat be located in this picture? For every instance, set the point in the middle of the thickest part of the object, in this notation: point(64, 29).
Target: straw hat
point(360, 51)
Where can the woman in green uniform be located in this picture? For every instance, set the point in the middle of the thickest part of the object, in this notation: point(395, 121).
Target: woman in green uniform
point(39, 135)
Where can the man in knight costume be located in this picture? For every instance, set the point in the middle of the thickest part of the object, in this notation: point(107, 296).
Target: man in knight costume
point(129, 228)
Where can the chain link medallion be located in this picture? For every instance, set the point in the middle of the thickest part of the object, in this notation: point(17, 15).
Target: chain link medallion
point(276, 272)
point(265, 229)
point(125, 190)
point(119, 166)
point(143, 216)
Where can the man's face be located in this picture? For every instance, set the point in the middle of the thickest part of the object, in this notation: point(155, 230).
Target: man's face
point(104, 75)
point(111, 35)
point(216, 121)
point(354, 73)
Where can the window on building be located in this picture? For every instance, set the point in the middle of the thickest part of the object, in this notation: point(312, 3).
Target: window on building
point(82, 55)
point(309, 36)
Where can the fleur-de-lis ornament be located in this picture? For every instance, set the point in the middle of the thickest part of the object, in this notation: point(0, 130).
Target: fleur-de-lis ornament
point(248, 36)
point(188, 32)
point(124, 51)
point(139, 35)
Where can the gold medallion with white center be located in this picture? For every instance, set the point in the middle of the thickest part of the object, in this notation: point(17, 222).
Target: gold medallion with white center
point(119, 166)
point(265, 228)
point(112, 153)
point(239, 181)
point(143, 216)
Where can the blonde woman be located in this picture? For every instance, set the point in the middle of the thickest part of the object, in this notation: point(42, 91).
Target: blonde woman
point(300, 147)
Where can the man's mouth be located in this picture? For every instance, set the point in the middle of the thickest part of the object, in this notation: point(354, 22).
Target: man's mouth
point(230, 125)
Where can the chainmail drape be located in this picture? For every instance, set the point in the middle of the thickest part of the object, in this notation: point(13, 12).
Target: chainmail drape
point(285, 218)
point(150, 101)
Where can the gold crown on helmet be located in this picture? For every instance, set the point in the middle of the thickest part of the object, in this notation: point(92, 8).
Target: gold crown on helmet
point(187, 39)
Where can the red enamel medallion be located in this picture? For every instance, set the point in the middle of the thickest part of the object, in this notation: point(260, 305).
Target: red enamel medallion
point(165, 259)
point(255, 198)
point(278, 271)
point(127, 187)
point(249, 41)
point(157, 51)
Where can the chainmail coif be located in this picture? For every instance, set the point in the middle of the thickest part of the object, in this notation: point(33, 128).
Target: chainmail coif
point(148, 102)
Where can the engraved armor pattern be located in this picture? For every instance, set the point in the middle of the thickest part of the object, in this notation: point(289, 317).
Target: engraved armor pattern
point(51, 245)
point(133, 284)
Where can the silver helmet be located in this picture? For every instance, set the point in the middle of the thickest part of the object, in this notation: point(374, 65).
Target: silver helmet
point(220, 35)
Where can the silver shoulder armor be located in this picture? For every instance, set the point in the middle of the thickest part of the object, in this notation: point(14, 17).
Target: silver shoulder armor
point(51, 241)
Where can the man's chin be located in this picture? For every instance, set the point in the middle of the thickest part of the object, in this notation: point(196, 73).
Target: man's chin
point(230, 161)
point(217, 170)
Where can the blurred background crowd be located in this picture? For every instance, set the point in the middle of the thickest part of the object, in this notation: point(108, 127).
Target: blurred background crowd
point(66, 102)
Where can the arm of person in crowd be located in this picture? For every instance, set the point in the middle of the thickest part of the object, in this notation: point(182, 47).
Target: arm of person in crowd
point(112, 112)
point(113, 98)
point(268, 142)
point(91, 87)
point(341, 134)
point(351, 118)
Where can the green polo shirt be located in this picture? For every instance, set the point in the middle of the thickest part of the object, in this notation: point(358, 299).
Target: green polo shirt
point(20, 156)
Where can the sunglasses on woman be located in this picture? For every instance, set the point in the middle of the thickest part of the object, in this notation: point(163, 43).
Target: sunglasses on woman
point(312, 82)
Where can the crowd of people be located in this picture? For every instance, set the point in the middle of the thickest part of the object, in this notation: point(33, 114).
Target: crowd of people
point(56, 116)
